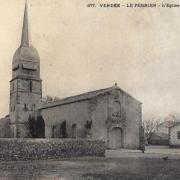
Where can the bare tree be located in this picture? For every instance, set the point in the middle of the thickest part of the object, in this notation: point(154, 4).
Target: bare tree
point(56, 98)
point(47, 99)
point(149, 124)
point(173, 117)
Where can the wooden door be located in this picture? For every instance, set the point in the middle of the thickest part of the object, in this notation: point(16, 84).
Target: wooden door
point(115, 138)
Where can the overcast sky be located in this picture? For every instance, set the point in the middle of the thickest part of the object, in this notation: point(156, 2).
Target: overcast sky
point(84, 49)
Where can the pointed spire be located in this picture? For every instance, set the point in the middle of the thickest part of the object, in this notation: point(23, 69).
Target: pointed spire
point(25, 30)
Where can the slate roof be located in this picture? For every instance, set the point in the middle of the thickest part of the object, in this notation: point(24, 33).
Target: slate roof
point(84, 96)
point(25, 51)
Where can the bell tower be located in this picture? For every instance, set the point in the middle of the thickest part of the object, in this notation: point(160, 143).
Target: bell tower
point(26, 85)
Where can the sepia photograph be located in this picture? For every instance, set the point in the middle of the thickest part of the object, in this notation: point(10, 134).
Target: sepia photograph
point(90, 90)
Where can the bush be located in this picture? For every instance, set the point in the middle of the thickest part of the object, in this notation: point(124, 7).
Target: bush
point(36, 149)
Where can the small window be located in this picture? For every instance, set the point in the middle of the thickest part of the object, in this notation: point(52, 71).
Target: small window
point(30, 86)
point(13, 86)
point(11, 108)
point(25, 107)
point(178, 134)
point(14, 108)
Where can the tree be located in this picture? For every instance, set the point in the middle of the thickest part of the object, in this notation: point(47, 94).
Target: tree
point(47, 99)
point(88, 126)
point(40, 127)
point(149, 124)
point(56, 98)
point(32, 126)
point(173, 117)
point(63, 129)
point(36, 127)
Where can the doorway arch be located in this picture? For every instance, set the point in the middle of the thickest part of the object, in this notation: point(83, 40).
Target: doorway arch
point(116, 138)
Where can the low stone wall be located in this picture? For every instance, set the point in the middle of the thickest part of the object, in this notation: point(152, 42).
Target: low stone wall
point(36, 149)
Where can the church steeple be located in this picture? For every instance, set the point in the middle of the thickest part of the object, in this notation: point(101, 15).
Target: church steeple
point(26, 52)
point(25, 30)
point(26, 85)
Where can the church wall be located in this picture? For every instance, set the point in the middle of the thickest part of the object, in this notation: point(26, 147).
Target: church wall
point(99, 116)
point(132, 115)
point(124, 112)
point(73, 113)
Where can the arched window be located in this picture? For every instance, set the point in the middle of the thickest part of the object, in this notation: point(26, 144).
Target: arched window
point(25, 107)
point(13, 86)
point(30, 86)
point(74, 130)
point(116, 110)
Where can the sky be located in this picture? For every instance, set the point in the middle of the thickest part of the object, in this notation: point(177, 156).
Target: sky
point(84, 49)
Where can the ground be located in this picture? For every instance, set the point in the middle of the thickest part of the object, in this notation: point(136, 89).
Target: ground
point(121, 164)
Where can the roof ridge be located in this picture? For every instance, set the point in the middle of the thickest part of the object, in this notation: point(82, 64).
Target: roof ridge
point(81, 97)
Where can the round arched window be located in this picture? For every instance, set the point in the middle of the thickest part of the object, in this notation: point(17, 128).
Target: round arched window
point(116, 110)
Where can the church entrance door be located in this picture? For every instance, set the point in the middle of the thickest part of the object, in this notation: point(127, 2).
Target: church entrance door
point(115, 138)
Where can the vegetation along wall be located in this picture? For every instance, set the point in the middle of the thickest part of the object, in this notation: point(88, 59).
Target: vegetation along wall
point(35, 149)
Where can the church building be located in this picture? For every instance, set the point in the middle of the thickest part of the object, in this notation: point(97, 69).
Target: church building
point(109, 114)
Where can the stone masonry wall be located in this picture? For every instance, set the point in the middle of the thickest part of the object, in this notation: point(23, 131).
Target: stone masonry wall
point(133, 117)
point(77, 113)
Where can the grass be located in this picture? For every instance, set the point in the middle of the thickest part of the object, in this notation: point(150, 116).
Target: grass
point(93, 168)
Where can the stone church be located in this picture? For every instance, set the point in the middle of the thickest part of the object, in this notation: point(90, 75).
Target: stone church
point(109, 114)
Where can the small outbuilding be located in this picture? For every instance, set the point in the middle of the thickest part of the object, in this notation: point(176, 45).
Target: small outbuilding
point(174, 135)
point(159, 139)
